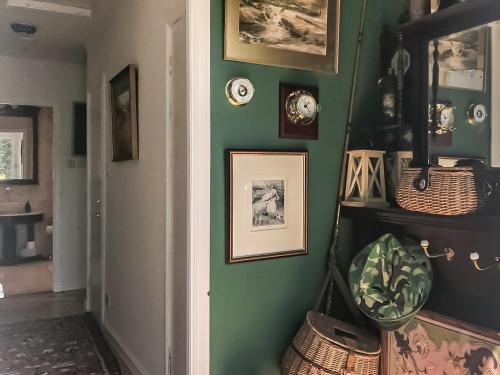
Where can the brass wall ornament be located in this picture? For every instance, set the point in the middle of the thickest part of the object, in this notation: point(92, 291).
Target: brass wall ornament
point(477, 114)
point(445, 118)
point(239, 91)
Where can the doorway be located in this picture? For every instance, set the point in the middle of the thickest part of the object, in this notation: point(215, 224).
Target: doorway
point(26, 205)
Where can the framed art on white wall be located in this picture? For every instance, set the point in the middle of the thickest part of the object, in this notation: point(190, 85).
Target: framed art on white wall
point(267, 205)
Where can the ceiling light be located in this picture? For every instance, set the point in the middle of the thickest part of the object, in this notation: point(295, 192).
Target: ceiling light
point(51, 7)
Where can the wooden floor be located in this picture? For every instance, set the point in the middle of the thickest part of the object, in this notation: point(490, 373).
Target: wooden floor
point(41, 306)
point(26, 278)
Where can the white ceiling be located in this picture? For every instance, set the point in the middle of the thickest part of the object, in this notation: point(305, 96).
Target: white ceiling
point(59, 37)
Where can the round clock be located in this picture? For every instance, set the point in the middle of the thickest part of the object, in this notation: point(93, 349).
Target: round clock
point(477, 114)
point(239, 91)
point(445, 118)
point(301, 107)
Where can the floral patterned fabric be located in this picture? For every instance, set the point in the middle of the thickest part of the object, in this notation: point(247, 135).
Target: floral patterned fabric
point(70, 346)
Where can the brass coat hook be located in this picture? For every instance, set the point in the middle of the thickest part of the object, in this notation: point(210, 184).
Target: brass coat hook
point(474, 257)
point(447, 252)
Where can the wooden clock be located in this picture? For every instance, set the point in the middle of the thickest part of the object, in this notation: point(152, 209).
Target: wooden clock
point(299, 111)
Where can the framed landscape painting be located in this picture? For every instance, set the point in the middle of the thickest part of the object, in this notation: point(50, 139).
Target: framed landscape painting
point(124, 121)
point(299, 34)
point(267, 205)
point(438, 345)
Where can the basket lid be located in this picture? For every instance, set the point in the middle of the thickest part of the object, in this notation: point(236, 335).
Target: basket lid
point(343, 333)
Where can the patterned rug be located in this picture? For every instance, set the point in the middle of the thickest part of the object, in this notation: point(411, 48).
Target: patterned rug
point(71, 346)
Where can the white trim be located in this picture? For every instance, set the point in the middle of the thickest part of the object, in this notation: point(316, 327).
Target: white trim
point(104, 187)
point(495, 96)
point(124, 354)
point(198, 37)
point(89, 210)
point(169, 217)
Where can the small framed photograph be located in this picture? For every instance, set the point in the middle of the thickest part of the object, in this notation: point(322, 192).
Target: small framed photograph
point(462, 60)
point(291, 34)
point(124, 121)
point(267, 205)
point(435, 344)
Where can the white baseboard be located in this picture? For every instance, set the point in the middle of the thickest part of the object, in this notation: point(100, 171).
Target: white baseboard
point(123, 353)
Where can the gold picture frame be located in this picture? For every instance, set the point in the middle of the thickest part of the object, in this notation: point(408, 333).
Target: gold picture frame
point(264, 32)
point(433, 343)
point(267, 205)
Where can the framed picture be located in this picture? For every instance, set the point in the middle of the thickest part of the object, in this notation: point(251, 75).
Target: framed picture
point(462, 60)
point(125, 133)
point(267, 205)
point(80, 129)
point(293, 34)
point(435, 344)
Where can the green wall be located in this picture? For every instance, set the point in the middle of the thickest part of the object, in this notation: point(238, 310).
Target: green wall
point(257, 307)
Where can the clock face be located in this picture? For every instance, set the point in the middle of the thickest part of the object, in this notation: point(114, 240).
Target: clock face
point(306, 106)
point(239, 91)
point(477, 114)
point(301, 107)
point(447, 118)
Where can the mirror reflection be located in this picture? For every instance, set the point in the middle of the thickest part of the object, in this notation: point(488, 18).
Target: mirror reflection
point(465, 68)
point(18, 143)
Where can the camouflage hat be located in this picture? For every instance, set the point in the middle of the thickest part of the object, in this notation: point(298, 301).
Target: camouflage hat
point(390, 282)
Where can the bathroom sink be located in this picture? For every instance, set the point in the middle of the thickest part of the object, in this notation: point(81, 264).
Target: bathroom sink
point(20, 214)
point(21, 217)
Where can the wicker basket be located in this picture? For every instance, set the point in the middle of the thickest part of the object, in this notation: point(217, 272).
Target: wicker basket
point(326, 346)
point(450, 191)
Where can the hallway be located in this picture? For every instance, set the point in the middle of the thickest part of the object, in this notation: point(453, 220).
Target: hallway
point(50, 334)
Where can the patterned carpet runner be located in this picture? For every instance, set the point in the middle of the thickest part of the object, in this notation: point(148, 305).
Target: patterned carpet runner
point(71, 346)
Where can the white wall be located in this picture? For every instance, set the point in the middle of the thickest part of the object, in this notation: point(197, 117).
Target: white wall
point(495, 96)
point(57, 85)
point(137, 258)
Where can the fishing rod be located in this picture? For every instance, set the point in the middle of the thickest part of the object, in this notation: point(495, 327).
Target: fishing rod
point(333, 271)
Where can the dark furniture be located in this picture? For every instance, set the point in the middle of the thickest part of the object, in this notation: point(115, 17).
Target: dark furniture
point(9, 222)
point(459, 290)
point(417, 35)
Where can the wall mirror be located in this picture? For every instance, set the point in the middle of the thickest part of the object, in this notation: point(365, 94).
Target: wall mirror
point(18, 144)
point(455, 84)
point(468, 66)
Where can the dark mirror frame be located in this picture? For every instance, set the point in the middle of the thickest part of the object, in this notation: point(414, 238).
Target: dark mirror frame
point(417, 35)
point(31, 112)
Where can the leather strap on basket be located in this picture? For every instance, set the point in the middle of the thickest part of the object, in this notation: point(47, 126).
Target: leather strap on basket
point(423, 181)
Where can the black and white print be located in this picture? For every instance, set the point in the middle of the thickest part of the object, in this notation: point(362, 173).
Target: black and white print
point(463, 51)
point(268, 203)
point(462, 60)
point(294, 25)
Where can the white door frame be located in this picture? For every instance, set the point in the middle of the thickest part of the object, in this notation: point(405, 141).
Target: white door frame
point(198, 37)
point(102, 86)
point(495, 98)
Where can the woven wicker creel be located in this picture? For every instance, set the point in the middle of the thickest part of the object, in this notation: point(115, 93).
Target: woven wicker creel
point(452, 191)
point(323, 346)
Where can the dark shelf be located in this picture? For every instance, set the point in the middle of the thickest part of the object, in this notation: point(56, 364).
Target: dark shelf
point(469, 13)
point(484, 223)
